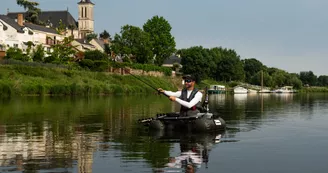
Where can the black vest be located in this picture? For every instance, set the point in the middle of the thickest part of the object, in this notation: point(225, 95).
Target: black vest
point(184, 98)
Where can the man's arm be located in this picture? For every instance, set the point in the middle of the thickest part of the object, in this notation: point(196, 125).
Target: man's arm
point(198, 98)
point(175, 94)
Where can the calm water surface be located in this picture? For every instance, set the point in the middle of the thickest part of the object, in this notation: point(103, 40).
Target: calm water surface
point(265, 133)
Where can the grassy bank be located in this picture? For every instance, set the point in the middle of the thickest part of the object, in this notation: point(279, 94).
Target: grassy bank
point(28, 80)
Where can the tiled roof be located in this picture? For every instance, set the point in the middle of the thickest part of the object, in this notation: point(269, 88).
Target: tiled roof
point(53, 17)
point(12, 23)
point(40, 28)
point(83, 41)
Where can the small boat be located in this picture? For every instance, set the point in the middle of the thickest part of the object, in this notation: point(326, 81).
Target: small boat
point(216, 89)
point(201, 122)
point(285, 89)
point(240, 90)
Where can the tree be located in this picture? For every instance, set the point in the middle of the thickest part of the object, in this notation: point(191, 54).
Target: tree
point(63, 52)
point(91, 36)
point(161, 39)
point(105, 35)
point(308, 77)
point(107, 49)
point(323, 80)
point(95, 55)
point(197, 61)
point(15, 53)
point(61, 27)
point(32, 13)
point(133, 42)
point(38, 53)
point(251, 67)
point(230, 68)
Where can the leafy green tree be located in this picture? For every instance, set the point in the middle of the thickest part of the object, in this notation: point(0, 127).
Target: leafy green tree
point(161, 38)
point(323, 80)
point(61, 27)
point(91, 36)
point(38, 53)
point(308, 77)
point(107, 49)
point(251, 67)
point(32, 13)
point(95, 55)
point(63, 52)
point(230, 68)
point(15, 53)
point(197, 61)
point(133, 42)
point(105, 35)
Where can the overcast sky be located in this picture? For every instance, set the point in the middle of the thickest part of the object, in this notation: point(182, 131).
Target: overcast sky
point(287, 34)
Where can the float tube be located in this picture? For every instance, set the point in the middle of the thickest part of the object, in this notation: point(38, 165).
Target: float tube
point(202, 122)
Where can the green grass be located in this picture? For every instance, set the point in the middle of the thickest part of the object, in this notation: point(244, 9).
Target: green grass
point(29, 80)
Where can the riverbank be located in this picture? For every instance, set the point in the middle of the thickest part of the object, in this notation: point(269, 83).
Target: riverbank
point(28, 80)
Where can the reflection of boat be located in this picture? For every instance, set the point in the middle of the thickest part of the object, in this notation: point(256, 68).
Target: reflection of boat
point(194, 149)
point(216, 89)
point(240, 90)
point(265, 91)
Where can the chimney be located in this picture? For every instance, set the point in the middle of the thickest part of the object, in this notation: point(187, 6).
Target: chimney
point(20, 19)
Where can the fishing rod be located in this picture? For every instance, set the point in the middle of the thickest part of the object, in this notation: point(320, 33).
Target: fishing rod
point(145, 82)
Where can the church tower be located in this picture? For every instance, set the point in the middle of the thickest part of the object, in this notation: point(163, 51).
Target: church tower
point(86, 19)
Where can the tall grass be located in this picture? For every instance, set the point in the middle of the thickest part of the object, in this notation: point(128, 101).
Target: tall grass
point(38, 80)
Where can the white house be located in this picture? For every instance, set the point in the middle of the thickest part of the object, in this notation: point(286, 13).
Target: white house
point(14, 34)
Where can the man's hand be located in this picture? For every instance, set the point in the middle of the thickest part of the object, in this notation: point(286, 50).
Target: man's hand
point(160, 90)
point(172, 98)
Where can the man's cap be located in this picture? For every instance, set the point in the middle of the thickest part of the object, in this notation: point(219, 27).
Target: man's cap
point(188, 76)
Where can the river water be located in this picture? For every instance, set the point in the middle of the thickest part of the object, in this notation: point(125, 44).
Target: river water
point(265, 133)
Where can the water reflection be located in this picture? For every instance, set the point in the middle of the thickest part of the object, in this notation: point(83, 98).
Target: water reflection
point(100, 134)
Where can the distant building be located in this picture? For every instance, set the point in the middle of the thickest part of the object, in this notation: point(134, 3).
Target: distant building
point(170, 61)
point(78, 29)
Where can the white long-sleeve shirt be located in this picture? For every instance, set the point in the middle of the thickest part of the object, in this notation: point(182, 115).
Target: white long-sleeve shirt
point(198, 98)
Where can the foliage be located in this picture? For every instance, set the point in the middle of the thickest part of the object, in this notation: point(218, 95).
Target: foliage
point(230, 67)
point(38, 53)
point(133, 42)
point(15, 53)
point(107, 49)
point(251, 67)
point(197, 61)
point(61, 27)
point(63, 52)
point(95, 55)
point(23, 80)
point(32, 13)
point(105, 35)
point(163, 43)
point(91, 36)
point(145, 67)
point(323, 80)
point(308, 77)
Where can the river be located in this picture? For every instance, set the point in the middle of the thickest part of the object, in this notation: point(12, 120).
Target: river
point(265, 133)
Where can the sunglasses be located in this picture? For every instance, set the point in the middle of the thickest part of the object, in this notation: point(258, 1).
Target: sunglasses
point(188, 81)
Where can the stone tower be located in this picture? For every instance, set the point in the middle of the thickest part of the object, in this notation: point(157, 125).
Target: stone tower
point(86, 20)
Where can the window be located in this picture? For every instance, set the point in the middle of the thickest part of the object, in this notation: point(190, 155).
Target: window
point(16, 45)
point(48, 50)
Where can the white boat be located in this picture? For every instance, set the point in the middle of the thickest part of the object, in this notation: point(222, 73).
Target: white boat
point(216, 89)
point(285, 89)
point(265, 91)
point(240, 90)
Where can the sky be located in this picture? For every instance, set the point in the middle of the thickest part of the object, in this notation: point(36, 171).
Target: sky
point(291, 35)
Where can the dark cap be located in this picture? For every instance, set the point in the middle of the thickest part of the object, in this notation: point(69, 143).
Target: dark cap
point(188, 76)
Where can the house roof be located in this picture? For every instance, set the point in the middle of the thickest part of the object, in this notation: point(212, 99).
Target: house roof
point(40, 28)
point(83, 41)
point(100, 42)
point(172, 59)
point(86, 2)
point(53, 17)
point(12, 23)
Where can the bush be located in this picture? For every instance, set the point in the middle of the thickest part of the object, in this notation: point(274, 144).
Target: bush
point(86, 63)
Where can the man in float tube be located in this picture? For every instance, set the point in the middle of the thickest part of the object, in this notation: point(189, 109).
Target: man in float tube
point(189, 97)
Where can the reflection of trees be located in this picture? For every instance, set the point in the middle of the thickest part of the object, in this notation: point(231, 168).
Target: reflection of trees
point(47, 133)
